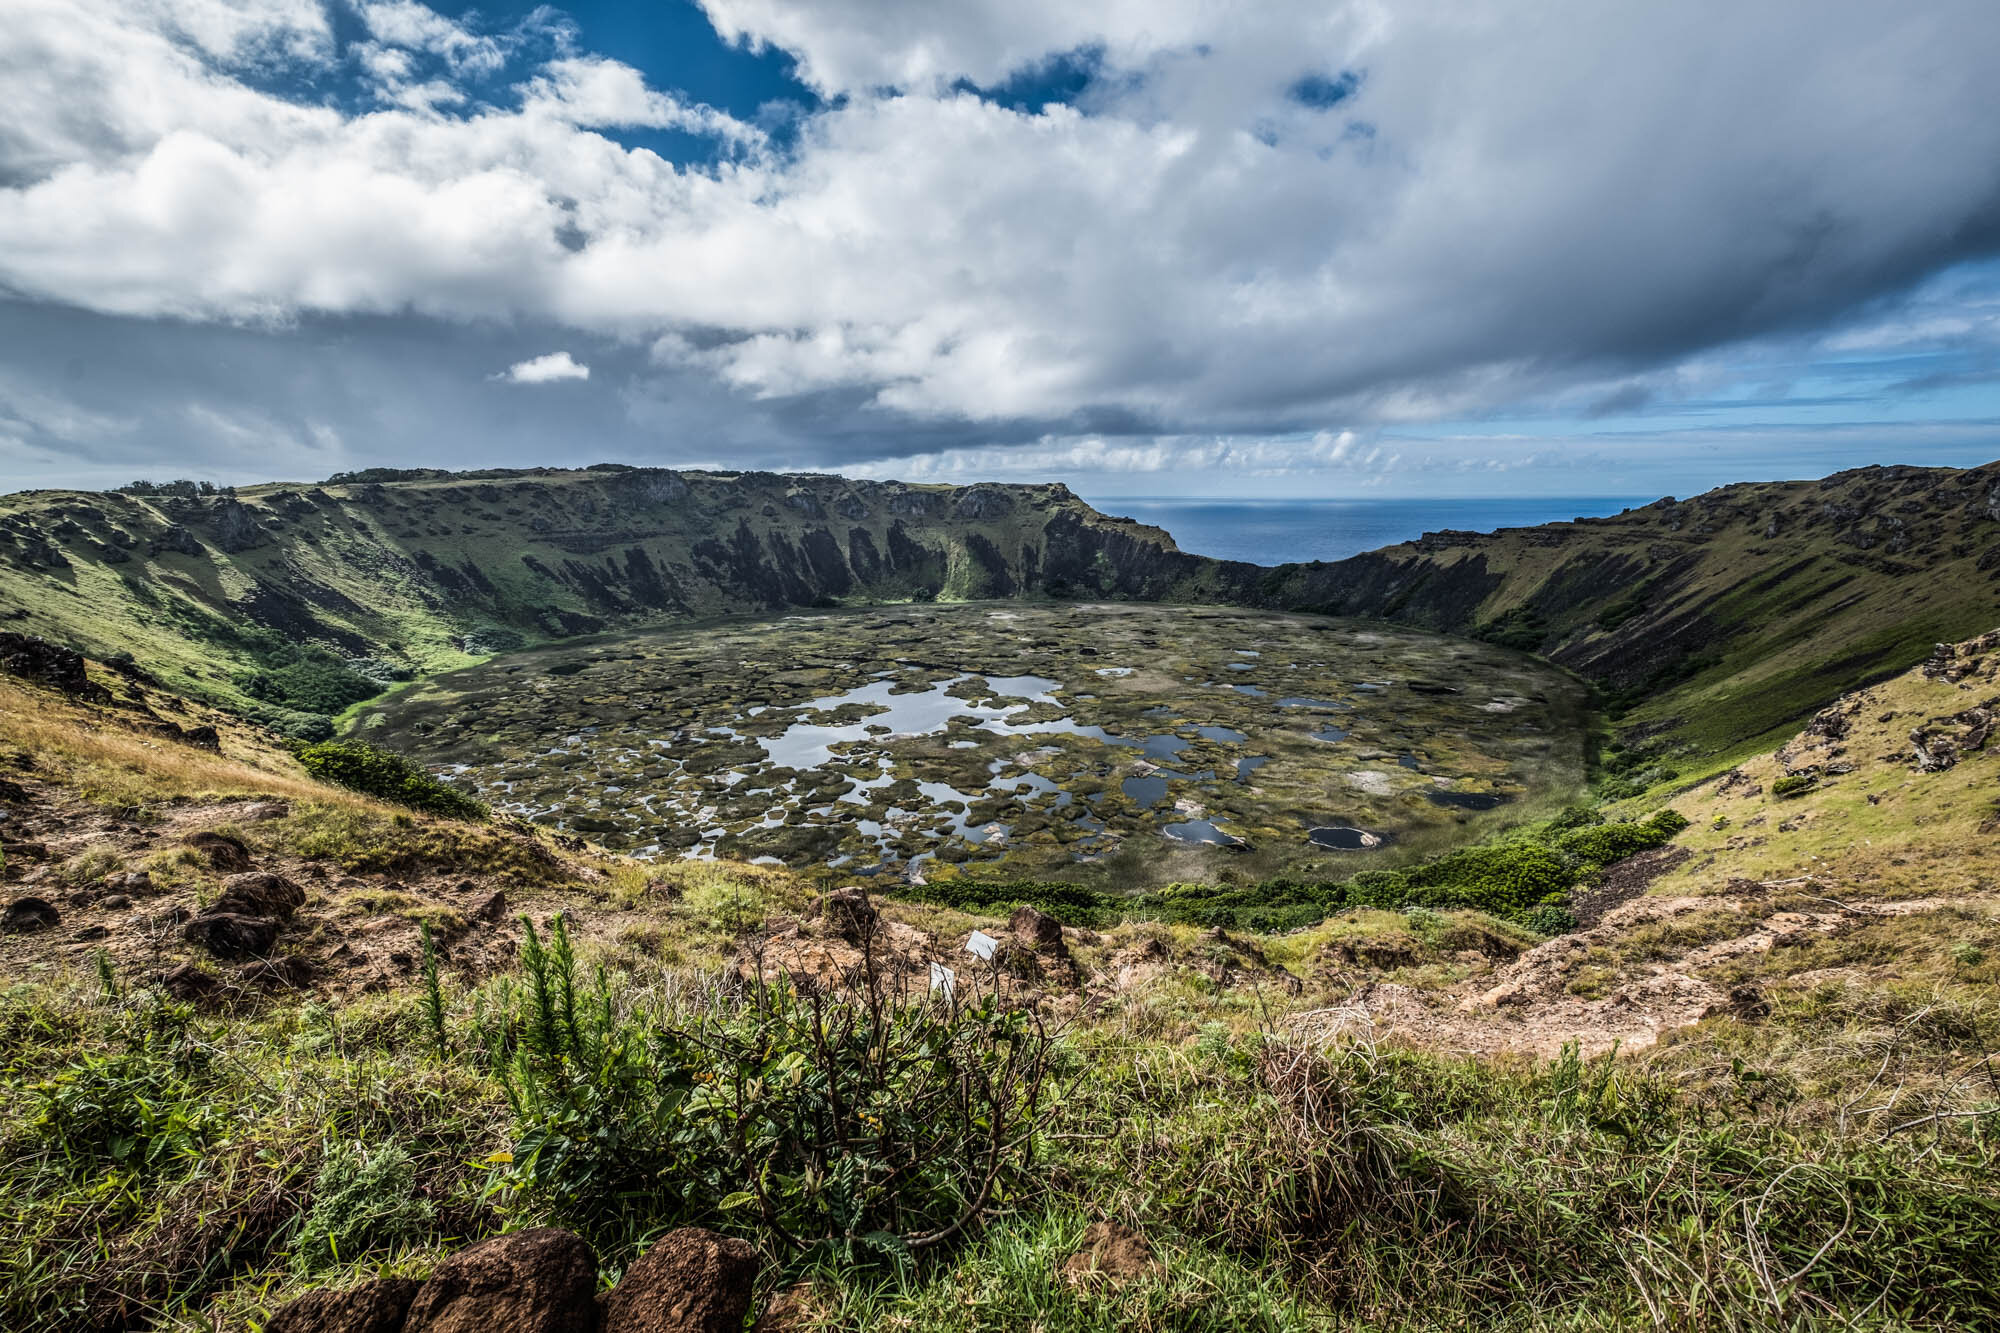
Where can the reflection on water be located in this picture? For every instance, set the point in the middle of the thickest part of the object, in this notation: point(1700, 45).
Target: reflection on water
point(1342, 838)
point(1200, 830)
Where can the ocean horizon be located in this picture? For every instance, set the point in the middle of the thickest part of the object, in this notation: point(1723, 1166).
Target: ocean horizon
point(1275, 532)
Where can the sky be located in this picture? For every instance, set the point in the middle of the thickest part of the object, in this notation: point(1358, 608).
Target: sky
point(1349, 248)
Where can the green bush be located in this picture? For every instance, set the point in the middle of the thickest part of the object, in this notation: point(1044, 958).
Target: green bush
point(361, 767)
point(841, 1127)
point(308, 679)
point(1793, 784)
point(1505, 879)
point(1549, 919)
point(363, 1200)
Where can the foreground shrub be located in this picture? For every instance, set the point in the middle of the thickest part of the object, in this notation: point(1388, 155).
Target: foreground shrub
point(847, 1127)
point(362, 767)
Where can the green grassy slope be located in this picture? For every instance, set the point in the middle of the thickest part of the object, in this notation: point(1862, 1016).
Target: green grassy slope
point(216, 594)
point(1714, 623)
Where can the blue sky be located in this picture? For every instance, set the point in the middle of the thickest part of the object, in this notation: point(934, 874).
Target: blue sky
point(1515, 248)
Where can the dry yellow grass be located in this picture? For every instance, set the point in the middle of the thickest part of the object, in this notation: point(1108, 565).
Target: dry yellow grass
point(95, 753)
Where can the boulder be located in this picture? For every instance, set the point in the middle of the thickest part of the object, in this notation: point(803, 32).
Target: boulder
point(490, 908)
point(538, 1281)
point(848, 914)
point(176, 539)
point(223, 850)
point(260, 893)
point(232, 934)
point(380, 1306)
point(690, 1281)
point(25, 916)
point(132, 883)
point(1035, 928)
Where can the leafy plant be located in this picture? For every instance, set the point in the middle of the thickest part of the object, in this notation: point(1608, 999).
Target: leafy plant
point(1793, 784)
point(849, 1126)
point(363, 1199)
point(362, 767)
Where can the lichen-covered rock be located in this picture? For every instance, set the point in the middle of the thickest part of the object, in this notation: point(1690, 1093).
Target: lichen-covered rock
point(690, 1281)
point(538, 1281)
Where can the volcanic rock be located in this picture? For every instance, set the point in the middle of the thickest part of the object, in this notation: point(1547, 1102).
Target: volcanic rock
point(690, 1281)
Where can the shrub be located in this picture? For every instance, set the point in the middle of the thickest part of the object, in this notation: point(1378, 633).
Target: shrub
point(362, 1200)
point(1505, 879)
point(1793, 784)
point(361, 767)
point(871, 1125)
point(1549, 919)
point(309, 679)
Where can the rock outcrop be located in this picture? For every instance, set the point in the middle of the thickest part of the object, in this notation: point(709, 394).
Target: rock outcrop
point(381, 1306)
point(539, 1281)
point(545, 1281)
point(690, 1281)
point(47, 664)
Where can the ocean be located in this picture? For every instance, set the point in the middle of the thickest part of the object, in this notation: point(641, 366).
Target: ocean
point(1272, 532)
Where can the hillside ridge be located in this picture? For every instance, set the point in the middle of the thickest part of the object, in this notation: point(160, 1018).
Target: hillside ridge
point(1708, 624)
point(385, 579)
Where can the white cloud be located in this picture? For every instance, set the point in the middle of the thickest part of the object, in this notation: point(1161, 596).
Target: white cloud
point(1522, 198)
point(415, 27)
point(549, 369)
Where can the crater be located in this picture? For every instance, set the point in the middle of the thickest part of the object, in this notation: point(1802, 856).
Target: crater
point(984, 739)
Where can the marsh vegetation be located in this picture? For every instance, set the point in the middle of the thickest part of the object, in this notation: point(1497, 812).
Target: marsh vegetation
point(1124, 745)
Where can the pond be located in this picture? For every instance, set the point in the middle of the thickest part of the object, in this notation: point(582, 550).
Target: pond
point(913, 739)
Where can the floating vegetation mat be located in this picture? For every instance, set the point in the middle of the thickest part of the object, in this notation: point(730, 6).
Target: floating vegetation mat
point(1140, 743)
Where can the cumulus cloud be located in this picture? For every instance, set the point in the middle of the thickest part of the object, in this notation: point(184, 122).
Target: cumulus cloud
point(1256, 221)
point(550, 369)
